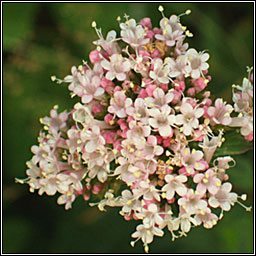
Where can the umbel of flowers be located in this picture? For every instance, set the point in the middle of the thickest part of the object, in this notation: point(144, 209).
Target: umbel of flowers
point(144, 133)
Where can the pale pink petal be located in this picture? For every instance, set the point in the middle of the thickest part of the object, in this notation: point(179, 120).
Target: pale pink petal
point(181, 190)
point(198, 177)
point(99, 92)
point(121, 76)
point(195, 74)
point(153, 122)
point(105, 64)
point(165, 131)
point(187, 129)
point(91, 146)
point(213, 202)
point(227, 187)
point(110, 75)
point(225, 206)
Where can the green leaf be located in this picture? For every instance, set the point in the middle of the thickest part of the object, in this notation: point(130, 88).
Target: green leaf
point(234, 144)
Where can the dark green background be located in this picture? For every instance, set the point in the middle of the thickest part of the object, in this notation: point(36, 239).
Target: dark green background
point(40, 40)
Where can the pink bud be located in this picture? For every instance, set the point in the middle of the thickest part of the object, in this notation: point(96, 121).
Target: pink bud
point(94, 56)
point(166, 142)
point(191, 91)
point(157, 31)
point(127, 217)
point(159, 139)
point(146, 22)
point(96, 108)
point(199, 84)
point(156, 54)
point(109, 136)
point(150, 89)
point(198, 135)
point(150, 34)
point(117, 145)
point(143, 94)
point(130, 118)
point(177, 96)
point(164, 87)
point(117, 88)
point(97, 188)
point(108, 118)
point(249, 137)
point(86, 196)
point(179, 85)
point(171, 201)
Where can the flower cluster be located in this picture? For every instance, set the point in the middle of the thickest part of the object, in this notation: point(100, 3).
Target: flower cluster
point(243, 105)
point(144, 135)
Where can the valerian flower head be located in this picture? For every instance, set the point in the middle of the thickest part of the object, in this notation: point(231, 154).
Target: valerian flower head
point(144, 135)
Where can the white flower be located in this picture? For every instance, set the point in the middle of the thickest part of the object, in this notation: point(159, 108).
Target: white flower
point(172, 30)
point(189, 117)
point(133, 34)
point(174, 184)
point(162, 120)
point(196, 63)
point(146, 233)
point(117, 67)
point(160, 72)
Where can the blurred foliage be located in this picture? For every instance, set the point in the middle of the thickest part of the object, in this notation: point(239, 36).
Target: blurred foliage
point(42, 39)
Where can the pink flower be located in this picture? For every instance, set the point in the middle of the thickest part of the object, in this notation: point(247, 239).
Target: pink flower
point(147, 190)
point(159, 99)
point(67, 198)
point(191, 161)
point(220, 113)
point(171, 29)
point(133, 34)
point(188, 117)
point(93, 139)
point(162, 120)
point(109, 44)
point(223, 198)
point(150, 215)
point(246, 124)
point(138, 130)
point(174, 184)
point(117, 67)
point(146, 22)
point(90, 87)
point(207, 181)
point(160, 72)
point(130, 203)
point(119, 104)
point(56, 121)
point(177, 67)
point(206, 217)
point(139, 111)
point(42, 153)
point(192, 201)
point(150, 149)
